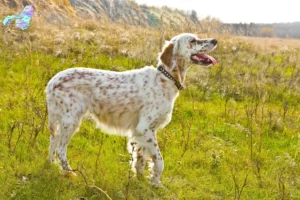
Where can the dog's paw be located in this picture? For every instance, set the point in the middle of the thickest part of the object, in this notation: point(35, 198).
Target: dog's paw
point(70, 174)
point(156, 184)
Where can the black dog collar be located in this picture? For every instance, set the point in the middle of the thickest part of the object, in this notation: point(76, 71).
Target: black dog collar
point(169, 76)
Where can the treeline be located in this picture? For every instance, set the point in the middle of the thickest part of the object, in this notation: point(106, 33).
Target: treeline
point(282, 30)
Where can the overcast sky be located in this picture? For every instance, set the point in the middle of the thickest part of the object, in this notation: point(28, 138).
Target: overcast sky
point(235, 11)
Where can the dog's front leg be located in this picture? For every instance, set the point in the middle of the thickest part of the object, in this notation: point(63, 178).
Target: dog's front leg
point(148, 145)
point(138, 161)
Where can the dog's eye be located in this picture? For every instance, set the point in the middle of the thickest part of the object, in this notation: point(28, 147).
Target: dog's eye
point(193, 40)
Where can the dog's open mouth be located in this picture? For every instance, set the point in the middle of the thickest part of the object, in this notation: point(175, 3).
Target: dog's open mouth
point(203, 59)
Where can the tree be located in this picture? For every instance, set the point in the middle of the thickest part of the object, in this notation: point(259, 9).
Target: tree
point(267, 32)
point(194, 17)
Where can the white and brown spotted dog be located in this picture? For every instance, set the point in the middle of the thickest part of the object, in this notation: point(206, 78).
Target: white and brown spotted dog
point(133, 103)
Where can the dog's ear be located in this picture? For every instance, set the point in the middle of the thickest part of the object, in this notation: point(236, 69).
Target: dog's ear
point(167, 54)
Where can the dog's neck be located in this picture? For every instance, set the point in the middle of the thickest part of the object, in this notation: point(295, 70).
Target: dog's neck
point(177, 71)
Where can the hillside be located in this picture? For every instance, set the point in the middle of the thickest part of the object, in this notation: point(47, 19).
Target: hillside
point(128, 12)
point(68, 12)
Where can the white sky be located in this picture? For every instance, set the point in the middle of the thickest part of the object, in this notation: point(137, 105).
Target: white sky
point(236, 11)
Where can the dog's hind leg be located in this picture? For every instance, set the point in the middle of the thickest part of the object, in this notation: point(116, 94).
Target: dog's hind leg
point(54, 138)
point(67, 129)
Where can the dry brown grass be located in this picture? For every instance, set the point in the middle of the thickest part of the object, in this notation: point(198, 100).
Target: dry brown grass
point(271, 43)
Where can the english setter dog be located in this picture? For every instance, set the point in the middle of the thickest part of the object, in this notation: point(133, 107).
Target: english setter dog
point(133, 103)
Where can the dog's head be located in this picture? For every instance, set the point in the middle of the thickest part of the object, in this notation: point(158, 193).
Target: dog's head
point(187, 47)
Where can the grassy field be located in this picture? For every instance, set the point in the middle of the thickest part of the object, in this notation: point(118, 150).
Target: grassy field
point(272, 43)
point(235, 132)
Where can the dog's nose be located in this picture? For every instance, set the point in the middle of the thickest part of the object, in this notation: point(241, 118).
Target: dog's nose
point(214, 42)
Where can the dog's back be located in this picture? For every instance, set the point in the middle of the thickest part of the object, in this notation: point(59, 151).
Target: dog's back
point(113, 98)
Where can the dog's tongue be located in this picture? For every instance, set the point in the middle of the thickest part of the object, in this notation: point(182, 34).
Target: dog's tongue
point(205, 59)
point(212, 59)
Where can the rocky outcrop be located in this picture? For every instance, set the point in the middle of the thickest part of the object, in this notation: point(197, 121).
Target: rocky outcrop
point(122, 11)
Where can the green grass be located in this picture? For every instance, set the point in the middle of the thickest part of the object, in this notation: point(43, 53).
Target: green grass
point(234, 133)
